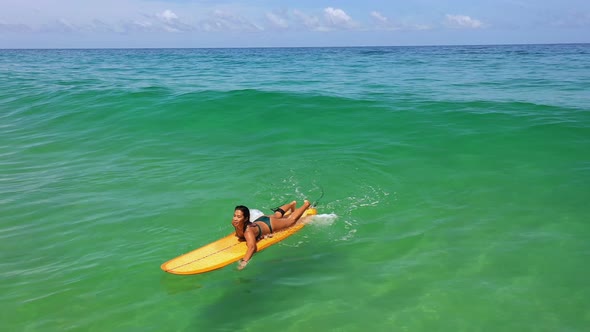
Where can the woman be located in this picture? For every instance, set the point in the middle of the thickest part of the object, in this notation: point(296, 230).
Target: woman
point(264, 225)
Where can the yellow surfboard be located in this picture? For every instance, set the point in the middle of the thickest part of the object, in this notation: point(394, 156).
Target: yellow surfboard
point(226, 250)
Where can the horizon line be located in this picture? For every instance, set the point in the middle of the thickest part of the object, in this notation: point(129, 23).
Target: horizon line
point(287, 47)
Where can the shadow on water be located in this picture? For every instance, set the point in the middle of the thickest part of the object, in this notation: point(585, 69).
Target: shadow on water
point(174, 284)
point(285, 277)
point(274, 290)
point(266, 290)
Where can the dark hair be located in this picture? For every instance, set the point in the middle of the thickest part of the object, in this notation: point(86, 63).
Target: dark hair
point(245, 212)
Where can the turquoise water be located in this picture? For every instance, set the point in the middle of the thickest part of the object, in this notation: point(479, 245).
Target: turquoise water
point(456, 180)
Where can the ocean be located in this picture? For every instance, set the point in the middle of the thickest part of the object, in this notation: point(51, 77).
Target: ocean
point(456, 185)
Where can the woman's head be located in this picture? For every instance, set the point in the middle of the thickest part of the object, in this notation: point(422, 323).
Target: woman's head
point(241, 215)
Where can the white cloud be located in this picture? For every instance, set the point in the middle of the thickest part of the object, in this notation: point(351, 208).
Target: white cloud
point(462, 21)
point(337, 17)
point(277, 21)
point(382, 22)
point(168, 21)
point(59, 26)
point(329, 19)
point(222, 20)
point(332, 19)
point(179, 17)
point(167, 16)
point(143, 24)
point(379, 17)
point(308, 21)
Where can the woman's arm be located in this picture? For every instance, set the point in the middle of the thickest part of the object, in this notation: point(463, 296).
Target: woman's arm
point(251, 243)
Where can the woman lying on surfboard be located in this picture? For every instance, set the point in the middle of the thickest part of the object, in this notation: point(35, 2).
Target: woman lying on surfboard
point(252, 231)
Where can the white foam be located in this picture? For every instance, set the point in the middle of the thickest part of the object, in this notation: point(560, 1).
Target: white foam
point(326, 219)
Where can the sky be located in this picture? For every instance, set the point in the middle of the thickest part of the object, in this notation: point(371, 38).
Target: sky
point(289, 23)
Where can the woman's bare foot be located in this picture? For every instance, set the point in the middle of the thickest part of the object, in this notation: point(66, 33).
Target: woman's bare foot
point(292, 206)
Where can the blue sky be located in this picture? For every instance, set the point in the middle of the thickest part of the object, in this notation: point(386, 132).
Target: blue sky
point(265, 23)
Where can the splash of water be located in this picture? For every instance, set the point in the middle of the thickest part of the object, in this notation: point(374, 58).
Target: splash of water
point(323, 220)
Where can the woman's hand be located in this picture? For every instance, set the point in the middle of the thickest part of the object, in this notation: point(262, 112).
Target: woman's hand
point(242, 264)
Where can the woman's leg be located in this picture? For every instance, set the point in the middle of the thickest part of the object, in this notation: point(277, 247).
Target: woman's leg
point(286, 208)
point(299, 212)
point(282, 223)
